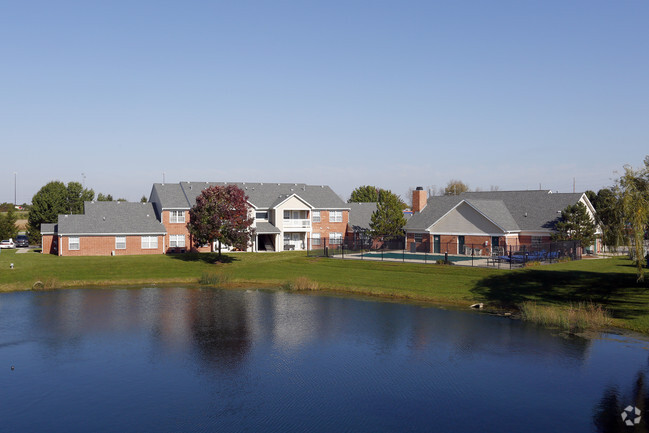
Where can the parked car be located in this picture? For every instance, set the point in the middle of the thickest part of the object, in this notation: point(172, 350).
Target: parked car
point(22, 241)
point(7, 243)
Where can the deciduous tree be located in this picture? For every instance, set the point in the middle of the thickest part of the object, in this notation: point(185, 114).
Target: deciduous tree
point(53, 199)
point(634, 188)
point(221, 214)
point(455, 187)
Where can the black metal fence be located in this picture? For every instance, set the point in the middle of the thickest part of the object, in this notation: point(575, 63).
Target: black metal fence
point(396, 249)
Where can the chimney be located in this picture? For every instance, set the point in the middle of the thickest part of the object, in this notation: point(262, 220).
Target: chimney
point(419, 198)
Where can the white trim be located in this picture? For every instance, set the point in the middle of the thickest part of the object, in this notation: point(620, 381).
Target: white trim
point(116, 245)
point(291, 196)
point(78, 243)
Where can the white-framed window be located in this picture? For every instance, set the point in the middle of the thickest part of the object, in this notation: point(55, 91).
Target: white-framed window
point(315, 239)
point(419, 237)
point(335, 216)
point(176, 241)
point(316, 216)
point(73, 243)
point(261, 215)
point(120, 242)
point(177, 216)
point(335, 238)
point(149, 242)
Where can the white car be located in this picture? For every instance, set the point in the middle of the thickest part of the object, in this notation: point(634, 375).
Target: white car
point(7, 244)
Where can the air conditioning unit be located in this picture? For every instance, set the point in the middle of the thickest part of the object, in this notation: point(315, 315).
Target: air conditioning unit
point(112, 253)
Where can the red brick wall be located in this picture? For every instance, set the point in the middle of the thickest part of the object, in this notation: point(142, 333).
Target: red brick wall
point(419, 199)
point(104, 245)
point(47, 244)
point(180, 229)
point(324, 227)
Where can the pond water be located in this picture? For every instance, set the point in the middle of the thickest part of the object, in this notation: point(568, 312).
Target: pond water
point(204, 360)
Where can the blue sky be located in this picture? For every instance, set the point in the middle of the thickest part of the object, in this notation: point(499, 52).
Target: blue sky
point(515, 94)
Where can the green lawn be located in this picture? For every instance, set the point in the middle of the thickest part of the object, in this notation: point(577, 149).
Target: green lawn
point(610, 282)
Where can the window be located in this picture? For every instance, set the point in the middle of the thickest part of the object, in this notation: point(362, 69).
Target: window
point(261, 215)
point(335, 238)
point(149, 242)
point(176, 241)
point(316, 216)
point(73, 243)
point(335, 216)
point(177, 216)
point(315, 239)
point(419, 237)
point(120, 242)
point(537, 240)
point(287, 214)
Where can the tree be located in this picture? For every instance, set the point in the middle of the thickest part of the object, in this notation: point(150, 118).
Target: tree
point(221, 214)
point(388, 219)
point(576, 225)
point(101, 197)
point(143, 199)
point(608, 208)
point(634, 189)
point(455, 187)
point(364, 194)
point(76, 196)
point(8, 227)
point(53, 199)
point(373, 194)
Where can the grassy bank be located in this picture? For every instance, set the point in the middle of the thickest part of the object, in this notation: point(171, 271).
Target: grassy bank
point(609, 283)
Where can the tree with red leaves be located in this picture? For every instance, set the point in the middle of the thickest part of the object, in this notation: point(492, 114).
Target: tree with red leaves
point(221, 214)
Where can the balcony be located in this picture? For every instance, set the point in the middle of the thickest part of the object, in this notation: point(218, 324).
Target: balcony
point(297, 223)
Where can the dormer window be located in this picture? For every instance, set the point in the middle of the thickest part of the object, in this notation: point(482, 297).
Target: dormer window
point(176, 216)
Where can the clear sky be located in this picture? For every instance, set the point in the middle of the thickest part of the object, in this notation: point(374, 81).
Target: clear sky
point(396, 94)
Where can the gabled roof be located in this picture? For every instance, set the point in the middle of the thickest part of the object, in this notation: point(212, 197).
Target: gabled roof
point(261, 195)
point(112, 217)
point(360, 215)
point(511, 210)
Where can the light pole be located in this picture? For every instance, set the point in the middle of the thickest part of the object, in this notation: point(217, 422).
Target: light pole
point(15, 189)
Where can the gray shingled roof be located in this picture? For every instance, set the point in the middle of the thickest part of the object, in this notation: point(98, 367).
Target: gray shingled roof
point(48, 229)
point(360, 215)
point(261, 195)
point(112, 217)
point(264, 227)
point(510, 210)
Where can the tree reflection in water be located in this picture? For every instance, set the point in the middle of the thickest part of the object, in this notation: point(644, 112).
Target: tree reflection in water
point(608, 413)
point(219, 329)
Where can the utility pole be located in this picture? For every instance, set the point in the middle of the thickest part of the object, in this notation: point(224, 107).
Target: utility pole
point(15, 189)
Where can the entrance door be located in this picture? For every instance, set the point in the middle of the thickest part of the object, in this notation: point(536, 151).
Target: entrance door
point(460, 244)
point(436, 244)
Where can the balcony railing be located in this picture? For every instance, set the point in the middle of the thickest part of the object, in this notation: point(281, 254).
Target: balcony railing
point(297, 223)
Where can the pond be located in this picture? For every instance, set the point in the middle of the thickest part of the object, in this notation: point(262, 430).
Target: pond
point(204, 360)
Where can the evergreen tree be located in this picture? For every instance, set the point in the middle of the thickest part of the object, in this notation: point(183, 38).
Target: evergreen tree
point(8, 229)
point(388, 219)
point(576, 225)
